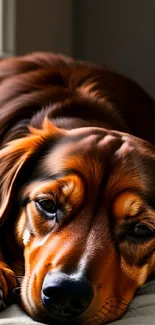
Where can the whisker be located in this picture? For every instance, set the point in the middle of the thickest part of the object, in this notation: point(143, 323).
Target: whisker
point(96, 319)
point(21, 277)
point(110, 311)
point(127, 304)
point(107, 309)
point(119, 302)
point(122, 298)
point(117, 307)
point(16, 294)
point(95, 315)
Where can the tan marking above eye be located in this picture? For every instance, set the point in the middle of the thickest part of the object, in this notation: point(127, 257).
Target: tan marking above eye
point(138, 274)
point(127, 204)
point(68, 188)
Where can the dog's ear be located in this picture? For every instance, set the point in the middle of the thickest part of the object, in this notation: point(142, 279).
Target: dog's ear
point(15, 156)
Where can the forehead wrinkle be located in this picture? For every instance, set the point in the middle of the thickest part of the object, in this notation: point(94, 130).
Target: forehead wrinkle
point(128, 173)
point(54, 161)
point(124, 180)
point(66, 158)
point(75, 142)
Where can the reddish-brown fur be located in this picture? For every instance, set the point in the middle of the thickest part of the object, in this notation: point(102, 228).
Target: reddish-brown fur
point(84, 136)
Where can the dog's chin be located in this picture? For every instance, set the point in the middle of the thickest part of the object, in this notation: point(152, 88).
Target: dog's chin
point(109, 311)
point(40, 314)
point(89, 317)
point(58, 320)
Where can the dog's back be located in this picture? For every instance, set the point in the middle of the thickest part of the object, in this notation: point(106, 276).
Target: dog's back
point(31, 85)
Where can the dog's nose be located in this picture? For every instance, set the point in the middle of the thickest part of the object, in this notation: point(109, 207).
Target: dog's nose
point(65, 295)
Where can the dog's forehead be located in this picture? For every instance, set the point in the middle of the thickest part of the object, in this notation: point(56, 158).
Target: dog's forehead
point(94, 152)
point(80, 150)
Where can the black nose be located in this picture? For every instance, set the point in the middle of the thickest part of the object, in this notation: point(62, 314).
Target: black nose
point(66, 295)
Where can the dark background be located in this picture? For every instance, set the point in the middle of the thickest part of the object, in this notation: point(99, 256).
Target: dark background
point(118, 33)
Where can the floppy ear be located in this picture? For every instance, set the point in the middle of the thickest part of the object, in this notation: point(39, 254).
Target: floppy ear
point(14, 157)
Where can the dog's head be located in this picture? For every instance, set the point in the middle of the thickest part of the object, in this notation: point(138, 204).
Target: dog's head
point(86, 220)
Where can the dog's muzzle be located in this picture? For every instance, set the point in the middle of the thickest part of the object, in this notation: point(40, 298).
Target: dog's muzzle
point(65, 295)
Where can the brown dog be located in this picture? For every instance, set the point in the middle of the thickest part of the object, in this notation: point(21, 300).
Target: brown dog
point(77, 164)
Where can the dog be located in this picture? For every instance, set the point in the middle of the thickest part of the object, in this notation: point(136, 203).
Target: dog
point(77, 189)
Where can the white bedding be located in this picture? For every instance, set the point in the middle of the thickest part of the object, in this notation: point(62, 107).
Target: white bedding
point(142, 311)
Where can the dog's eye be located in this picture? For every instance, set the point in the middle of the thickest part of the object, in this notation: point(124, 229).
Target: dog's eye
point(47, 207)
point(140, 231)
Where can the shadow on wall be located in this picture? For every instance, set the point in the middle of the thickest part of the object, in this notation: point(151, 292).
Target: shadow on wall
point(120, 34)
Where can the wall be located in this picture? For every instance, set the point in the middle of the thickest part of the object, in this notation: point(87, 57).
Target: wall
point(37, 25)
point(119, 33)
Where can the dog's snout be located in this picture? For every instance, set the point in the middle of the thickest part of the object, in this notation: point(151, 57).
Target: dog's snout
point(65, 295)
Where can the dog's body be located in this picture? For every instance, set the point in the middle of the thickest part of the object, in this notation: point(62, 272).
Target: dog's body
point(77, 164)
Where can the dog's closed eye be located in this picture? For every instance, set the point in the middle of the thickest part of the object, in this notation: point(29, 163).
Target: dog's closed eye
point(140, 232)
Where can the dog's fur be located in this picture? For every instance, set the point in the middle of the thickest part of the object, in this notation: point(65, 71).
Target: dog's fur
point(83, 137)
